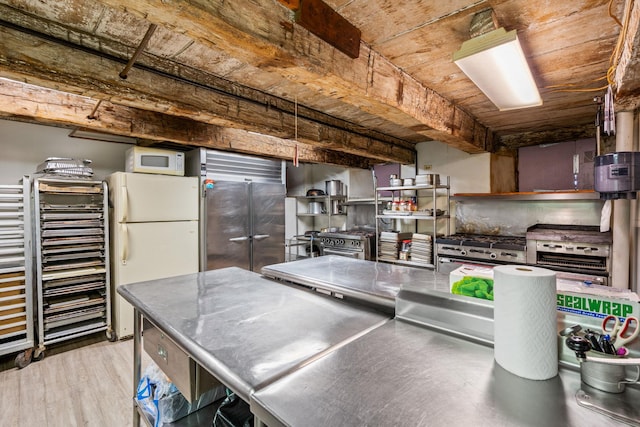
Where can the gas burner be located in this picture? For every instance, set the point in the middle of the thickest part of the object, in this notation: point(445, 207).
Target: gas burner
point(485, 241)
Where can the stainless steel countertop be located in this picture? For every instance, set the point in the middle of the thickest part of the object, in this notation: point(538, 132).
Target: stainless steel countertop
point(404, 374)
point(244, 329)
point(373, 282)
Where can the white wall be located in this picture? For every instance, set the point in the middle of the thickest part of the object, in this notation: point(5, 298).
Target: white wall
point(23, 146)
point(470, 173)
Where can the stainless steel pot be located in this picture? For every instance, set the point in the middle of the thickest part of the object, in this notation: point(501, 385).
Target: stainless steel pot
point(316, 208)
point(333, 187)
point(336, 207)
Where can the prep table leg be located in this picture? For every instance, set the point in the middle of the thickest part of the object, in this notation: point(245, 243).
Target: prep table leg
point(137, 362)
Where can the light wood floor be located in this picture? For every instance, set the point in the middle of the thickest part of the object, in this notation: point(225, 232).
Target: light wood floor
point(85, 383)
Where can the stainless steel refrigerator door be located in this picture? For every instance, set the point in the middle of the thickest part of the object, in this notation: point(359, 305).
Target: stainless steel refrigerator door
point(228, 239)
point(268, 224)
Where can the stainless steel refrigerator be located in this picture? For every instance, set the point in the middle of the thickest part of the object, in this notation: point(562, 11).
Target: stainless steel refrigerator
point(241, 209)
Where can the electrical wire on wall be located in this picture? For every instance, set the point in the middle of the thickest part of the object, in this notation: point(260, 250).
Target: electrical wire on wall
point(605, 115)
point(295, 125)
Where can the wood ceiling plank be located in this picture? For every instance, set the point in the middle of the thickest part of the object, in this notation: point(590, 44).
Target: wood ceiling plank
point(26, 57)
point(297, 55)
point(51, 107)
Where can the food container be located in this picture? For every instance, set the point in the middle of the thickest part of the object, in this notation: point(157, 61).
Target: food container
point(407, 182)
point(394, 181)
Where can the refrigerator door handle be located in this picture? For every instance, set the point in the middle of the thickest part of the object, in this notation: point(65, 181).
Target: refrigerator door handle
point(124, 249)
point(239, 239)
point(125, 204)
point(261, 236)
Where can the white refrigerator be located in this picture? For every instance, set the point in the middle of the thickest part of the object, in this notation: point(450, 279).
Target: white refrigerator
point(154, 233)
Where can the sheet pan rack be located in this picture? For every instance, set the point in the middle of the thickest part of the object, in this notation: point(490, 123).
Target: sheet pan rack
point(72, 259)
point(16, 278)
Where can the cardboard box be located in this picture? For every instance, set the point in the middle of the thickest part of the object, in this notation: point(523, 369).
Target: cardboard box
point(573, 296)
point(462, 281)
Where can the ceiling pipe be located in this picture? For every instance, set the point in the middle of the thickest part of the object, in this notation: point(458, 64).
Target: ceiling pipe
point(143, 44)
point(622, 210)
point(92, 115)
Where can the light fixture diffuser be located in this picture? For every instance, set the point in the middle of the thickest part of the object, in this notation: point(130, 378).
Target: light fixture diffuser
point(496, 63)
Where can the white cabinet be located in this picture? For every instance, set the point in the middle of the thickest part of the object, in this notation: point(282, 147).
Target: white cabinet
point(432, 211)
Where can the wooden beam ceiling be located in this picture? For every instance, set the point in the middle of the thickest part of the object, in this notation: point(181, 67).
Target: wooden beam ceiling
point(244, 65)
point(45, 106)
point(276, 46)
point(46, 63)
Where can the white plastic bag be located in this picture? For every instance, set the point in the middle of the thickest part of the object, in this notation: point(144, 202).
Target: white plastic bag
point(152, 387)
point(605, 217)
point(158, 397)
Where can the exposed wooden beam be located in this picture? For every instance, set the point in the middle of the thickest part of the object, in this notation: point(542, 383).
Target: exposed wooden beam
point(371, 82)
point(526, 139)
point(627, 73)
point(319, 18)
point(41, 105)
point(45, 63)
point(167, 66)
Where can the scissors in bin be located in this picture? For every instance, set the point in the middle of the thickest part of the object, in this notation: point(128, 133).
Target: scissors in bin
point(621, 334)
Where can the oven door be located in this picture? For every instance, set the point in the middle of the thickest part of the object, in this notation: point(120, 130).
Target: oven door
point(350, 253)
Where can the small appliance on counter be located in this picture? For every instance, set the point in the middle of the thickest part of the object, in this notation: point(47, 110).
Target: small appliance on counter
point(154, 160)
point(617, 175)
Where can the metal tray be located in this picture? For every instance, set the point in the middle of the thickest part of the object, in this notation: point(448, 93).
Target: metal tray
point(71, 256)
point(72, 265)
point(73, 281)
point(67, 290)
point(73, 240)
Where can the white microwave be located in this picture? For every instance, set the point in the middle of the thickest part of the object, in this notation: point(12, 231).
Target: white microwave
point(154, 160)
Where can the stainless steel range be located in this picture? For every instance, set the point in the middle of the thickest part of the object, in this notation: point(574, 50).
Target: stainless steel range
point(574, 251)
point(358, 244)
point(481, 248)
point(578, 251)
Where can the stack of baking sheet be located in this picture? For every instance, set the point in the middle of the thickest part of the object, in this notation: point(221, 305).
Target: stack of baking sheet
point(72, 262)
point(389, 244)
point(421, 248)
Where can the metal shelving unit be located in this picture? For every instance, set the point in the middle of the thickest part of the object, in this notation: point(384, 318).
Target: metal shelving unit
point(72, 259)
point(300, 241)
point(16, 283)
point(425, 194)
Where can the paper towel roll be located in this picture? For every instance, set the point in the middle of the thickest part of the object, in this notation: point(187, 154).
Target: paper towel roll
point(525, 325)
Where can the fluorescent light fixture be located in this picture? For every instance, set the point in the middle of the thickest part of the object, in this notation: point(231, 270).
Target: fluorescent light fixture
point(496, 63)
point(99, 136)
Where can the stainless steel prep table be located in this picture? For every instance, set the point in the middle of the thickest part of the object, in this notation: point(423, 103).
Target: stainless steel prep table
point(404, 374)
point(368, 281)
point(244, 329)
